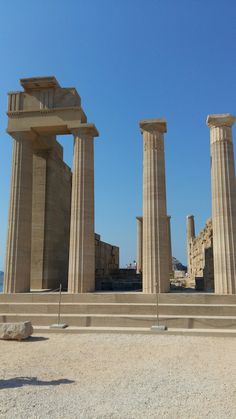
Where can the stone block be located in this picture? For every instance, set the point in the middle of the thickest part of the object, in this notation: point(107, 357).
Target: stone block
point(15, 331)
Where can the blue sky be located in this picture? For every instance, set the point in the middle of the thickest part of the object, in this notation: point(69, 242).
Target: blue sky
point(129, 60)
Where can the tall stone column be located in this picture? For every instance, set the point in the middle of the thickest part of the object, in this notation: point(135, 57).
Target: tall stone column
point(81, 276)
point(169, 246)
point(18, 253)
point(155, 240)
point(139, 244)
point(190, 228)
point(223, 202)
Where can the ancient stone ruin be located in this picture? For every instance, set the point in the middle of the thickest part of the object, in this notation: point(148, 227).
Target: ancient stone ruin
point(200, 255)
point(51, 237)
point(211, 255)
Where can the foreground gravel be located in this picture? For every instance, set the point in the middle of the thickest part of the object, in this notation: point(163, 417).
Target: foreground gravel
point(118, 376)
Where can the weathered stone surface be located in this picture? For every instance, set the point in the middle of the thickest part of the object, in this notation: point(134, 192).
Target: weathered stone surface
point(51, 222)
point(190, 227)
point(200, 256)
point(139, 244)
point(223, 189)
point(106, 258)
point(156, 253)
point(171, 273)
point(50, 218)
point(38, 232)
point(81, 274)
point(15, 331)
point(17, 268)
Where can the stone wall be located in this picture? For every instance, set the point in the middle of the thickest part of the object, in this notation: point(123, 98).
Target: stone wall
point(106, 258)
point(201, 257)
point(51, 205)
point(56, 253)
point(50, 220)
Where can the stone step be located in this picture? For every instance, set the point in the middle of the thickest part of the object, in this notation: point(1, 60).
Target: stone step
point(78, 298)
point(132, 297)
point(120, 308)
point(79, 308)
point(104, 320)
point(197, 309)
point(45, 330)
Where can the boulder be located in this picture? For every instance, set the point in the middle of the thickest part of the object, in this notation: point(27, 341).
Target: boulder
point(15, 331)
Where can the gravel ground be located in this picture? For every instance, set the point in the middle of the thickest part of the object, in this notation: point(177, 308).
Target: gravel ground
point(118, 376)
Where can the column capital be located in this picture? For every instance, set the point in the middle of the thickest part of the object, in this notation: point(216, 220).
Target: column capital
point(220, 120)
point(139, 218)
point(153, 125)
point(85, 130)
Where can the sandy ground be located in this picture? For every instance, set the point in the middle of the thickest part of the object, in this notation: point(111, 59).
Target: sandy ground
point(118, 376)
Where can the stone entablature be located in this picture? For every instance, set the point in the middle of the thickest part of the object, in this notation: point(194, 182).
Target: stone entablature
point(44, 106)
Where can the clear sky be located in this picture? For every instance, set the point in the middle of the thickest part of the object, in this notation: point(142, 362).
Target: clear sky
point(129, 60)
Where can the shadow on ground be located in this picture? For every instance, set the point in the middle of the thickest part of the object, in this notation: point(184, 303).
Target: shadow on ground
point(35, 339)
point(31, 381)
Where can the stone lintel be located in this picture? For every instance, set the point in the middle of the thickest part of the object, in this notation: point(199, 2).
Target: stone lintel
point(88, 130)
point(40, 143)
point(37, 83)
point(57, 121)
point(151, 125)
point(26, 134)
point(220, 120)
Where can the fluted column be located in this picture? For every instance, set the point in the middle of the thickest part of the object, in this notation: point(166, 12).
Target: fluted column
point(190, 233)
point(155, 240)
point(18, 252)
point(81, 276)
point(223, 202)
point(139, 244)
point(169, 246)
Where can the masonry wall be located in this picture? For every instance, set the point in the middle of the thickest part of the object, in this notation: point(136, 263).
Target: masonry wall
point(51, 202)
point(50, 221)
point(201, 257)
point(106, 258)
point(57, 223)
